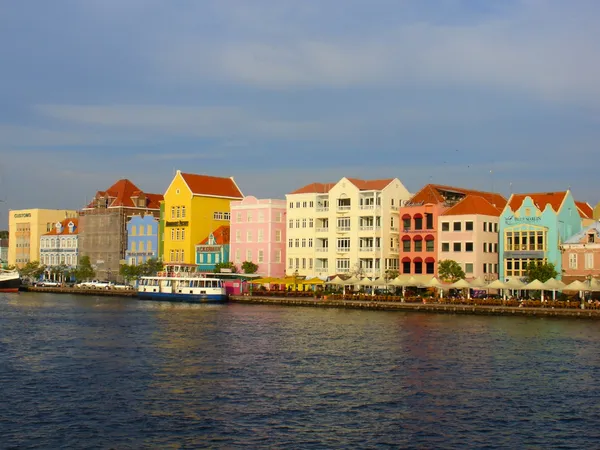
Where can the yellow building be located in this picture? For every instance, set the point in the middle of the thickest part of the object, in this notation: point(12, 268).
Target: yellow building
point(194, 206)
point(25, 228)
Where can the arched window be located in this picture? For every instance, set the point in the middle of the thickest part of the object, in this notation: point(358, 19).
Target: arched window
point(133, 247)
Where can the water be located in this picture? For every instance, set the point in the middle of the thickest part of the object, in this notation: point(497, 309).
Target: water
point(85, 372)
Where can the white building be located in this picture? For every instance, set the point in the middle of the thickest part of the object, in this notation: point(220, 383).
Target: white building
point(60, 246)
point(346, 227)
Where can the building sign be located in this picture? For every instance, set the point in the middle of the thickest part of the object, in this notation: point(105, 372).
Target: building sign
point(209, 248)
point(513, 219)
point(177, 223)
point(21, 215)
point(524, 255)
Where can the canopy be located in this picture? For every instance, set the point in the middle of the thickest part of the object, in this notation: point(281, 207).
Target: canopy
point(352, 280)
point(364, 282)
point(577, 286)
point(514, 284)
point(266, 280)
point(595, 285)
point(313, 281)
point(496, 284)
point(554, 285)
point(477, 282)
point(380, 282)
point(434, 282)
point(460, 284)
point(400, 280)
point(535, 285)
point(337, 281)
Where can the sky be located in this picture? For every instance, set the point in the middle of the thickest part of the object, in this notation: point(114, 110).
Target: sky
point(498, 96)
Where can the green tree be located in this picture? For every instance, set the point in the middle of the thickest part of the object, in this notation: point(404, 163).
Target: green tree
point(249, 267)
point(4, 234)
point(540, 271)
point(225, 265)
point(150, 268)
point(450, 270)
point(84, 270)
point(32, 270)
point(129, 272)
point(391, 274)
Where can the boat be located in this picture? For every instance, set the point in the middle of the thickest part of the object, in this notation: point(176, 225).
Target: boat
point(10, 280)
point(182, 284)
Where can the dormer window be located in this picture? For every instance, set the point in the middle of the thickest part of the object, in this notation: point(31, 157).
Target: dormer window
point(591, 238)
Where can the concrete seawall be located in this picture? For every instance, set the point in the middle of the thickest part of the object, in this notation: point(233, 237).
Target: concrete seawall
point(78, 291)
point(420, 307)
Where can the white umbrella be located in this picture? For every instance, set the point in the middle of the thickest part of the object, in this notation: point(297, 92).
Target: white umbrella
point(380, 282)
point(577, 286)
point(535, 285)
point(364, 282)
point(400, 280)
point(460, 284)
point(554, 285)
point(595, 285)
point(352, 280)
point(336, 281)
point(496, 284)
point(514, 284)
point(477, 282)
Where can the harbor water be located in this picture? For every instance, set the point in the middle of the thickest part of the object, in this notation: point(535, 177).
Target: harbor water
point(108, 372)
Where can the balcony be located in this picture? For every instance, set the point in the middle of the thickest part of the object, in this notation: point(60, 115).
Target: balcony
point(394, 250)
point(344, 208)
point(394, 208)
point(366, 228)
point(342, 229)
point(322, 249)
point(322, 209)
point(323, 230)
point(394, 229)
point(343, 249)
point(343, 270)
point(366, 249)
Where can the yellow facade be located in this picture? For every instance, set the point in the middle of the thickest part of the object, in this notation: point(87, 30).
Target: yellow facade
point(25, 228)
point(188, 219)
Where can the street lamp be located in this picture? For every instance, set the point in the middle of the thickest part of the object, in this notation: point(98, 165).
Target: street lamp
point(295, 274)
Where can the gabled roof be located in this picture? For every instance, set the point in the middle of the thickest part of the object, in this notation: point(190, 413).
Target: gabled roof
point(436, 193)
point(363, 185)
point(473, 204)
point(212, 186)
point(585, 210)
point(577, 237)
point(540, 200)
point(120, 195)
point(65, 228)
point(221, 236)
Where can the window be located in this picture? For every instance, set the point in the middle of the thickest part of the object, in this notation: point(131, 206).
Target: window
point(429, 221)
point(182, 256)
point(148, 246)
point(297, 223)
point(445, 246)
point(219, 216)
point(430, 246)
point(297, 243)
point(343, 223)
point(260, 235)
point(406, 223)
point(418, 246)
point(248, 255)
point(303, 242)
point(310, 262)
point(311, 204)
point(290, 260)
point(495, 248)
point(589, 260)
point(290, 243)
point(141, 246)
point(485, 247)
point(468, 268)
point(469, 226)
point(178, 234)
point(172, 217)
point(418, 223)
point(406, 246)
point(304, 204)
point(149, 230)
point(133, 230)
point(178, 212)
point(238, 258)
point(238, 236)
point(277, 235)
point(343, 244)
point(297, 263)
point(457, 226)
point(261, 216)
point(311, 223)
point(172, 256)
point(456, 246)
point(183, 212)
point(133, 247)
point(297, 206)
point(342, 264)
point(445, 226)
point(291, 224)
point(310, 242)
point(261, 254)
point(485, 226)
point(572, 260)
point(495, 228)
point(468, 246)
point(304, 263)
point(278, 256)
point(303, 223)
point(406, 267)
point(172, 234)
point(238, 217)
point(201, 258)
point(141, 232)
point(249, 236)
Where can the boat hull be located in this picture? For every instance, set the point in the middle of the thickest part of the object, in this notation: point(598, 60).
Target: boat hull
point(187, 298)
point(10, 285)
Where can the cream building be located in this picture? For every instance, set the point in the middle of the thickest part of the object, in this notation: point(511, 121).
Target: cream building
point(26, 227)
point(348, 227)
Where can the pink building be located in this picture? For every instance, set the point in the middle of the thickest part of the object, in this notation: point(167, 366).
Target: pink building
point(581, 255)
point(258, 235)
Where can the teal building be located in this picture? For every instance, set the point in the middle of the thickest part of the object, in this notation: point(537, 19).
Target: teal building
point(213, 250)
point(532, 228)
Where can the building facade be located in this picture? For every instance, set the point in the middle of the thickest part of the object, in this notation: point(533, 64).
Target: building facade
point(214, 249)
point(142, 239)
point(26, 227)
point(421, 222)
point(103, 225)
point(60, 247)
point(258, 234)
point(469, 235)
point(581, 255)
point(194, 206)
point(4, 253)
point(532, 229)
point(348, 227)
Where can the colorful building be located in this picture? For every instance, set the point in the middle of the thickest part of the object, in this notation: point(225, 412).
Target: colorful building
point(3, 253)
point(60, 247)
point(213, 250)
point(103, 224)
point(348, 227)
point(532, 229)
point(258, 234)
point(26, 227)
point(194, 206)
point(581, 255)
point(421, 248)
point(596, 213)
point(142, 239)
point(586, 212)
point(468, 234)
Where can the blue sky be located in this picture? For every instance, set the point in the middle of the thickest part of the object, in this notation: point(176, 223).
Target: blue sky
point(281, 93)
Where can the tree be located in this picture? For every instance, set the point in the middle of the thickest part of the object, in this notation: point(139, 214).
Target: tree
point(32, 270)
point(129, 272)
point(540, 271)
point(84, 270)
point(391, 274)
point(150, 268)
point(450, 270)
point(249, 267)
point(4, 234)
point(225, 265)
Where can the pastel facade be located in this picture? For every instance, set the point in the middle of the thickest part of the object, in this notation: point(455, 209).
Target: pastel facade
point(60, 246)
point(3, 253)
point(421, 239)
point(26, 227)
point(586, 212)
point(142, 239)
point(532, 229)
point(214, 249)
point(346, 227)
point(596, 213)
point(194, 206)
point(258, 234)
point(581, 254)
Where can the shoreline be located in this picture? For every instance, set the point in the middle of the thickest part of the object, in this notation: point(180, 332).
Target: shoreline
point(431, 308)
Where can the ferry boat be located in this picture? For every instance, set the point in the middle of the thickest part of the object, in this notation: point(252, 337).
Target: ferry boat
point(182, 283)
point(10, 280)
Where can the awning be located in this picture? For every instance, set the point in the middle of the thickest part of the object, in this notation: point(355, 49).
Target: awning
point(406, 216)
point(417, 237)
point(429, 237)
point(418, 216)
point(429, 259)
point(406, 237)
point(405, 259)
point(418, 259)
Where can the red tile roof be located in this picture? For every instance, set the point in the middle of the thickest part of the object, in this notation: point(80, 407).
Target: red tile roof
point(473, 204)
point(554, 199)
point(212, 186)
point(65, 228)
point(585, 210)
point(433, 193)
point(221, 236)
point(120, 195)
point(363, 185)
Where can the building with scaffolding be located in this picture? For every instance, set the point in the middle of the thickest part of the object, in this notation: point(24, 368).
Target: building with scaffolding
point(103, 225)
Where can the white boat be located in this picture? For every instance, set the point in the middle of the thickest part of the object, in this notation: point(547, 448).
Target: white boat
point(181, 284)
point(10, 280)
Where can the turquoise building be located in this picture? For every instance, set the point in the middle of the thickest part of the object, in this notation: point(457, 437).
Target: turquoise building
point(532, 229)
point(142, 239)
point(213, 250)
